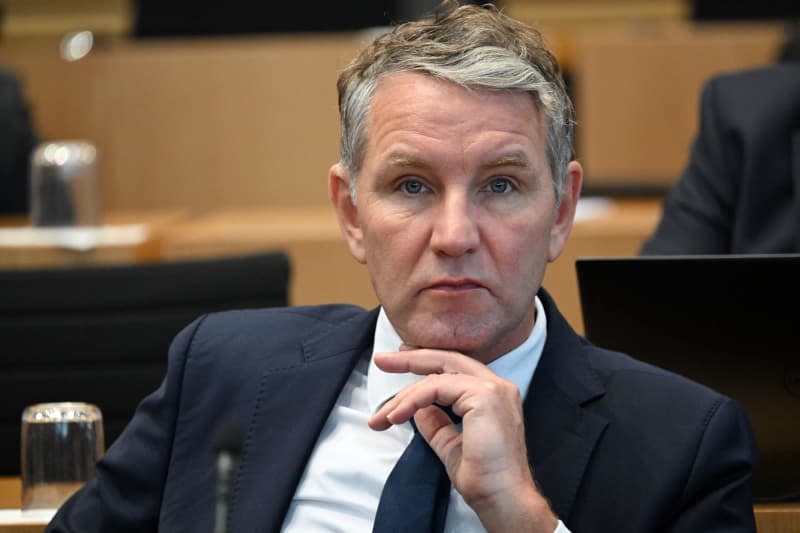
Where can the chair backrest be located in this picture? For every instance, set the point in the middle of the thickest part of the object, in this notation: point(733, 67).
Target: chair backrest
point(101, 334)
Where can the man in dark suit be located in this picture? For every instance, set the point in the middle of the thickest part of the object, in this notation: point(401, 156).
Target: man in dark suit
point(17, 141)
point(456, 187)
point(740, 192)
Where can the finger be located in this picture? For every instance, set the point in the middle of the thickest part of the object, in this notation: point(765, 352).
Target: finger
point(437, 389)
point(428, 361)
point(441, 434)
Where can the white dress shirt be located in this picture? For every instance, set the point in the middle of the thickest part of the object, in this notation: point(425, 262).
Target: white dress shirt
point(341, 486)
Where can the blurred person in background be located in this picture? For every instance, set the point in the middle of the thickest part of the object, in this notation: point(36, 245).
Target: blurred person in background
point(17, 141)
point(740, 191)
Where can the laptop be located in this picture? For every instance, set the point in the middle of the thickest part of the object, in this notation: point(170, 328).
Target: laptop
point(731, 322)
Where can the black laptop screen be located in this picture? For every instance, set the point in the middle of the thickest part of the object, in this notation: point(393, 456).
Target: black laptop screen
point(729, 322)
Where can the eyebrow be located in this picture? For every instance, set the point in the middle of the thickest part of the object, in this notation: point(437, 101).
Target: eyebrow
point(402, 160)
point(514, 159)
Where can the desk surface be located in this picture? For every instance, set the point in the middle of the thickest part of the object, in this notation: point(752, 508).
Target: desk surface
point(125, 237)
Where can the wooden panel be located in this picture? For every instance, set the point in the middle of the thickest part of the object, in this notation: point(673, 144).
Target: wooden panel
point(562, 21)
point(209, 123)
point(10, 492)
point(203, 123)
point(59, 92)
point(575, 12)
point(778, 518)
point(27, 18)
point(219, 124)
point(637, 94)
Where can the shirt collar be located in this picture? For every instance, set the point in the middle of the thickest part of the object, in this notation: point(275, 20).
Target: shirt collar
point(517, 366)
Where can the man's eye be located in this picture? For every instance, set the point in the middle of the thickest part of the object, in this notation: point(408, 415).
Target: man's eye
point(500, 185)
point(412, 187)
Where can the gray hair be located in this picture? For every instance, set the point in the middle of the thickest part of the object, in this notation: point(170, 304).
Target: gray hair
point(475, 47)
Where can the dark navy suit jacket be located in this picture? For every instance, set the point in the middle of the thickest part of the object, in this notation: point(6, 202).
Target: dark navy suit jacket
point(615, 445)
point(740, 192)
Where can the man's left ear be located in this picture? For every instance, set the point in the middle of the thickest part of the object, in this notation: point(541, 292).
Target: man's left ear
point(565, 214)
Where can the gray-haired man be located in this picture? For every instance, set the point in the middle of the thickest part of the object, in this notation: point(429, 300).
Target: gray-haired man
point(456, 187)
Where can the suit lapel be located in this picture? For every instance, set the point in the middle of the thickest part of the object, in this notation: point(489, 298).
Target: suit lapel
point(291, 409)
point(561, 435)
point(294, 403)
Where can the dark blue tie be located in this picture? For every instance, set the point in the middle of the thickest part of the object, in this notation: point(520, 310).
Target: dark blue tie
point(415, 496)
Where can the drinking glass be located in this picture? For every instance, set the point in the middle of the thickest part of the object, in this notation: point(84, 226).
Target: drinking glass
point(64, 184)
point(60, 444)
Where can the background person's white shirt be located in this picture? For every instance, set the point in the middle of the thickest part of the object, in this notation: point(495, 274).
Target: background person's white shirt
point(341, 486)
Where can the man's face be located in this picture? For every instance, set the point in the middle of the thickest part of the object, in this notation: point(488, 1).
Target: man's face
point(455, 215)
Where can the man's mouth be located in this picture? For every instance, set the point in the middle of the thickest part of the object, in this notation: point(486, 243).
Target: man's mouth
point(455, 285)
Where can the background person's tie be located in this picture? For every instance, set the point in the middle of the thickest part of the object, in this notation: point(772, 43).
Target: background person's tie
point(416, 493)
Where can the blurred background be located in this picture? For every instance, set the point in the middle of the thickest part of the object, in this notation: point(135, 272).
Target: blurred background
point(228, 109)
point(208, 104)
point(215, 124)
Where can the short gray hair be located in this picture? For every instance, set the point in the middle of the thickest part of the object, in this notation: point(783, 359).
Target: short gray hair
point(476, 47)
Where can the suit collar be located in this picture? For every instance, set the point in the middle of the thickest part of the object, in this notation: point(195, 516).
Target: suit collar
point(294, 403)
point(564, 357)
point(560, 433)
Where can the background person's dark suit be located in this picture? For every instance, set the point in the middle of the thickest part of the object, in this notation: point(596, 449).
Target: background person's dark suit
point(615, 445)
point(17, 141)
point(740, 192)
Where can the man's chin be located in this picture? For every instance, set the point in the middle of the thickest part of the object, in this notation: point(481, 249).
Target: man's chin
point(484, 340)
point(472, 332)
point(463, 348)
point(468, 342)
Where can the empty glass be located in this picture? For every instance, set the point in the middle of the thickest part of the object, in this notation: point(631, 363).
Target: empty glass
point(60, 444)
point(64, 186)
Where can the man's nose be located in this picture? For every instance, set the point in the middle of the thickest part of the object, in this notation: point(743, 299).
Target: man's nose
point(455, 227)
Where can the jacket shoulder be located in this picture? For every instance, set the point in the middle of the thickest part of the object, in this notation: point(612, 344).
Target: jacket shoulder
point(258, 335)
point(766, 94)
point(282, 319)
